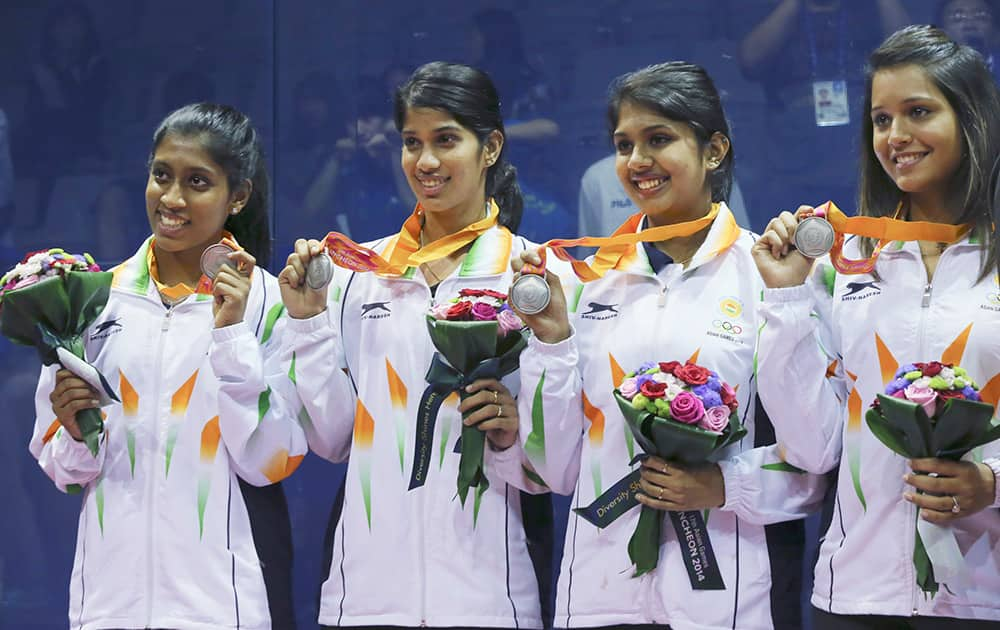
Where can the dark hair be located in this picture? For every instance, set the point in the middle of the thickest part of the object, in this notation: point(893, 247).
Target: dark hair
point(470, 97)
point(962, 76)
point(230, 139)
point(683, 92)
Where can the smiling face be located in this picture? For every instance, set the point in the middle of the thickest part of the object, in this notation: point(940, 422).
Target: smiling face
point(915, 133)
point(188, 197)
point(663, 166)
point(445, 164)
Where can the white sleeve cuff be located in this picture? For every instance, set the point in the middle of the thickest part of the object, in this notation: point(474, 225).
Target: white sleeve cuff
point(229, 333)
point(994, 464)
point(309, 324)
point(564, 348)
point(734, 482)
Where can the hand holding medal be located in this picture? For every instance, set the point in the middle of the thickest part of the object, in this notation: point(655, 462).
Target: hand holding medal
point(303, 281)
point(538, 297)
point(228, 267)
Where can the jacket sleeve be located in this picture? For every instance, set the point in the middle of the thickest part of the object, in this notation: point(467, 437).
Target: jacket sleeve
point(511, 465)
point(762, 489)
point(257, 403)
point(313, 351)
point(551, 412)
point(800, 373)
point(67, 462)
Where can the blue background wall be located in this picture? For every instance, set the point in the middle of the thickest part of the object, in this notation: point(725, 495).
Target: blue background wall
point(83, 85)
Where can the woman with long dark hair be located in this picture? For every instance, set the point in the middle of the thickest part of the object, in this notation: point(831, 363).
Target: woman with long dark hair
point(831, 341)
point(183, 522)
point(672, 297)
point(401, 557)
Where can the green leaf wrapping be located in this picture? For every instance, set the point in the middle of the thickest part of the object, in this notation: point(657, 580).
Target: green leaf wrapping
point(55, 312)
point(672, 441)
point(466, 346)
point(905, 428)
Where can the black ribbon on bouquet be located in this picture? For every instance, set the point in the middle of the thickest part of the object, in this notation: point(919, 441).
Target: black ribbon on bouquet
point(692, 532)
point(442, 380)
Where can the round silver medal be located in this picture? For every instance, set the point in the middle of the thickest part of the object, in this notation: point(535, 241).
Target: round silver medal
point(319, 271)
point(214, 257)
point(813, 236)
point(530, 294)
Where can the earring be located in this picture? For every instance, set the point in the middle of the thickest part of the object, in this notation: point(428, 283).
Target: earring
point(234, 211)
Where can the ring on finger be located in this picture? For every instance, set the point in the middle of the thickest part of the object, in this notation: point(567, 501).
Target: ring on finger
point(955, 507)
point(659, 494)
point(496, 397)
point(499, 410)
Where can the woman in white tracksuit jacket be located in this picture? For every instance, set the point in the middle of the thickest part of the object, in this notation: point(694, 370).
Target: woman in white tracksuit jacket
point(177, 528)
point(408, 558)
point(829, 339)
point(679, 299)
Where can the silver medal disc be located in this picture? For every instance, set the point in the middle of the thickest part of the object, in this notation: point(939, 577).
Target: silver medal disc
point(530, 294)
point(319, 271)
point(813, 236)
point(214, 257)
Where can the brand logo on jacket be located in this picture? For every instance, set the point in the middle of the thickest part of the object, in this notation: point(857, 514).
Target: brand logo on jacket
point(860, 291)
point(375, 310)
point(621, 203)
point(106, 329)
point(601, 311)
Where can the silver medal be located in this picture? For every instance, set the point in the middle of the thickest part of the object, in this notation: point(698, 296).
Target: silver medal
point(813, 236)
point(530, 294)
point(319, 271)
point(213, 258)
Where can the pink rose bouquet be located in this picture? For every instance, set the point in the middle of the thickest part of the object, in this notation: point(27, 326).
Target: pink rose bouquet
point(685, 413)
point(933, 410)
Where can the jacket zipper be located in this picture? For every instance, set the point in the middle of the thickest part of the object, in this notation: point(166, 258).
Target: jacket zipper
point(925, 303)
point(151, 511)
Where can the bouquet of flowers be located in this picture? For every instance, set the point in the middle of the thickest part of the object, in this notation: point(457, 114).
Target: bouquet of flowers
point(684, 413)
point(48, 301)
point(476, 335)
point(933, 410)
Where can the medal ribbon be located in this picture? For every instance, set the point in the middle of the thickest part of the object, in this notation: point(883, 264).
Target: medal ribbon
point(613, 248)
point(885, 230)
point(404, 250)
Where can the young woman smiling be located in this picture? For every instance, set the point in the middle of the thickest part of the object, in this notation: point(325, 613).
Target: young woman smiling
point(401, 557)
point(173, 532)
point(932, 134)
point(683, 298)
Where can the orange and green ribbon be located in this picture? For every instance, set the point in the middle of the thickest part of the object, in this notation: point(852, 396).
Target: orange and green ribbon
point(883, 229)
point(404, 251)
point(613, 248)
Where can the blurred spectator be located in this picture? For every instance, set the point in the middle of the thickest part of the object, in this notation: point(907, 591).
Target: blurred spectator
point(971, 22)
point(495, 44)
point(808, 56)
point(307, 164)
point(604, 204)
point(372, 197)
point(67, 92)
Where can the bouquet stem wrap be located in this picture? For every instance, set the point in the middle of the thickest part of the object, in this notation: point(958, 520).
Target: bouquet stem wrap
point(906, 429)
point(52, 315)
point(471, 350)
point(677, 442)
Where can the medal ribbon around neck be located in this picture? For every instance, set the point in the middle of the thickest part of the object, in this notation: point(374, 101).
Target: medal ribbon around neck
point(885, 230)
point(404, 250)
point(613, 248)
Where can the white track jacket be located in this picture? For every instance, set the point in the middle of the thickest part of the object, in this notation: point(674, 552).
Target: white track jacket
point(403, 557)
point(632, 315)
point(164, 538)
point(828, 346)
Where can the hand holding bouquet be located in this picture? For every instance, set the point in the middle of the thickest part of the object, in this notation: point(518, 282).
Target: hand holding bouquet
point(478, 336)
point(933, 410)
point(48, 301)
